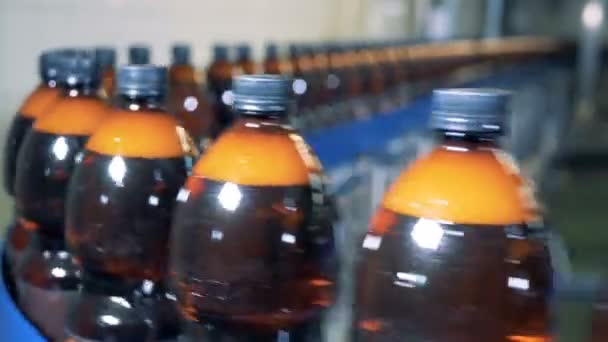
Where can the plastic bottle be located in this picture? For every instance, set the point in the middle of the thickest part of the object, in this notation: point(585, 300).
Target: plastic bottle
point(34, 106)
point(106, 60)
point(454, 252)
point(187, 100)
point(47, 277)
point(253, 253)
point(119, 211)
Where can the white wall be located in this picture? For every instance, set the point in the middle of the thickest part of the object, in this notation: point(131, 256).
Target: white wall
point(29, 26)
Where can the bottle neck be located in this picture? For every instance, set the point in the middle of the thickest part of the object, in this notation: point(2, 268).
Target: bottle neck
point(141, 103)
point(468, 140)
point(80, 90)
point(49, 83)
point(268, 116)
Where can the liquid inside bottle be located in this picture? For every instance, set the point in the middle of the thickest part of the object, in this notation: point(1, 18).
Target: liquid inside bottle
point(253, 255)
point(47, 278)
point(452, 253)
point(119, 214)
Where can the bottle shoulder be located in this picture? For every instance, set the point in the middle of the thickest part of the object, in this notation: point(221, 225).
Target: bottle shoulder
point(144, 134)
point(38, 102)
point(255, 153)
point(73, 116)
point(460, 185)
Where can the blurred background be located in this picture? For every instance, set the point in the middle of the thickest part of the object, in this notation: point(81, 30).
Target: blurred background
point(559, 112)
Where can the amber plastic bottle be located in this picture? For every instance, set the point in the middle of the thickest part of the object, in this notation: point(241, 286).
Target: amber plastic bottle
point(455, 253)
point(187, 99)
point(106, 60)
point(252, 248)
point(373, 78)
point(244, 63)
point(139, 54)
point(272, 64)
point(219, 81)
point(47, 277)
point(119, 211)
point(305, 85)
point(35, 105)
point(452, 254)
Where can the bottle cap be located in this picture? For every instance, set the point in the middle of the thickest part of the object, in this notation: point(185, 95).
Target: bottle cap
point(77, 67)
point(142, 80)
point(294, 50)
point(243, 52)
point(139, 54)
point(105, 56)
point(48, 64)
point(262, 93)
point(181, 54)
point(469, 110)
point(272, 50)
point(220, 52)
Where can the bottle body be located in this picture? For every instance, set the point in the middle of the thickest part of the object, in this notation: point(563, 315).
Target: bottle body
point(452, 239)
point(118, 232)
point(253, 251)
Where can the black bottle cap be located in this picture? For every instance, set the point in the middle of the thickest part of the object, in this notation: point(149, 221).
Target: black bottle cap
point(220, 52)
point(272, 51)
point(243, 52)
point(262, 93)
point(181, 54)
point(105, 56)
point(469, 110)
point(77, 67)
point(139, 54)
point(142, 80)
point(49, 64)
point(294, 50)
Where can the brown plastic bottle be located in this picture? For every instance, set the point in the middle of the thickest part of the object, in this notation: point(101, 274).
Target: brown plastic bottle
point(374, 85)
point(47, 277)
point(106, 60)
point(272, 63)
point(244, 64)
point(119, 210)
point(36, 104)
point(219, 82)
point(252, 247)
point(393, 74)
point(357, 85)
point(452, 254)
point(187, 99)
